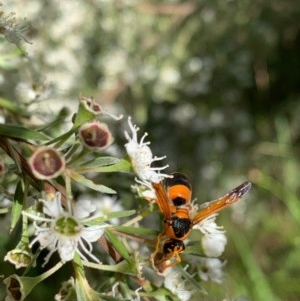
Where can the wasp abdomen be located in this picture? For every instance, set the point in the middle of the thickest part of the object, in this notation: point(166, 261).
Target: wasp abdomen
point(179, 189)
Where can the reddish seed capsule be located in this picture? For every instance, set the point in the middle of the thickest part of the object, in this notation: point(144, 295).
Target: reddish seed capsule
point(95, 135)
point(46, 163)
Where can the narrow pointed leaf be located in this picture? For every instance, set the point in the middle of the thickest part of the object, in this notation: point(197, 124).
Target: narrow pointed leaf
point(123, 267)
point(110, 216)
point(90, 184)
point(12, 106)
point(64, 136)
point(136, 231)
point(117, 165)
point(13, 131)
point(187, 276)
point(17, 205)
point(102, 161)
point(116, 242)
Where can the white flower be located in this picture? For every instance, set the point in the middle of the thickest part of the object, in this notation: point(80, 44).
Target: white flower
point(174, 282)
point(12, 29)
point(214, 244)
point(65, 231)
point(104, 205)
point(107, 204)
point(144, 192)
point(214, 239)
point(141, 158)
point(212, 269)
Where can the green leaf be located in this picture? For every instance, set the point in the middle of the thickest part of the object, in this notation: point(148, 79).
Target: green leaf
point(106, 164)
point(17, 206)
point(136, 231)
point(63, 137)
point(117, 243)
point(13, 131)
point(7, 59)
point(90, 184)
point(110, 216)
point(124, 267)
point(82, 116)
point(12, 106)
point(102, 161)
point(187, 276)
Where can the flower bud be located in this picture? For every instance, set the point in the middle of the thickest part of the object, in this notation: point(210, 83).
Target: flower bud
point(95, 135)
point(20, 258)
point(92, 106)
point(46, 163)
point(18, 288)
point(67, 291)
point(15, 289)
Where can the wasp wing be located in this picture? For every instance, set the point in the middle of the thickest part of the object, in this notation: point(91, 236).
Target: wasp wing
point(162, 200)
point(215, 206)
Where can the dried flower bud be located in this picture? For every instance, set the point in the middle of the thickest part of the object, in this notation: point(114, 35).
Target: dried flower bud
point(18, 288)
point(67, 291)
point(15, 288)
point(46, 163)
point(95, 135)
point(92, 106)
point(19, 258)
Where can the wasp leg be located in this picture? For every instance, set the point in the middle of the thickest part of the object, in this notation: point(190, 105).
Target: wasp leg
point(155, 252)
point(171, 255)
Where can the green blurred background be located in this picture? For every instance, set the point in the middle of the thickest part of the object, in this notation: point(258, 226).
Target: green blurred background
point(216, 84)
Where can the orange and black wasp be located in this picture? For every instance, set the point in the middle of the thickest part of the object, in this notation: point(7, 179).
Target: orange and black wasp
point(174, 201)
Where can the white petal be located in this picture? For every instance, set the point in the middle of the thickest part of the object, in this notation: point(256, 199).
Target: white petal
point(67, 248)
point(131, 148)
point(149, 194)
point(143, 156)
point(83, 209)
point(47, 239)
point(214, 244)
point(174, 282)
point(87, 250)
point(212, 269)
point(209, 226)
point(53, 207)
point(92, 233)
point(107, 204)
